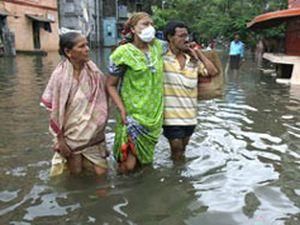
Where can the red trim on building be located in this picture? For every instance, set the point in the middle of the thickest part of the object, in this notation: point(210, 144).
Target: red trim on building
point(19, 2)
point(273, 18)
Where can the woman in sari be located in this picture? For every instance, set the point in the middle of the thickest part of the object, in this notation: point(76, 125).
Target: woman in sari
point(135, 84)
point(77, 101)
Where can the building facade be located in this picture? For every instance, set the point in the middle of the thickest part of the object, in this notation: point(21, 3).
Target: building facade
point(102, 19)
point(7, 40)
point(82, 15)
point(34, 24)
point(287, 63)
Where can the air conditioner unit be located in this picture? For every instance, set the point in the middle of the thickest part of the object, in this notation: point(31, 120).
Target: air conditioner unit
point(123, 12)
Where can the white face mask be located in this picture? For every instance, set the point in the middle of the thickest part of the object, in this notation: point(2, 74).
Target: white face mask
point(187, 39)
point(147, 34)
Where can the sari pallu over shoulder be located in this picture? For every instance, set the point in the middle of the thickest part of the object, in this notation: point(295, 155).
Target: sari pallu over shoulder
point(56, 94)
point(55, 97)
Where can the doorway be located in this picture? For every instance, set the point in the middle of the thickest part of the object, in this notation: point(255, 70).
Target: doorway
point(36, 34)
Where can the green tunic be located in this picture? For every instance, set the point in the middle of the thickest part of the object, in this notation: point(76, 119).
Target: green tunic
point(142, 94)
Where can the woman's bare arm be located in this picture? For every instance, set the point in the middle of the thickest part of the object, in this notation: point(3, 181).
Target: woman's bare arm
point(111, 85)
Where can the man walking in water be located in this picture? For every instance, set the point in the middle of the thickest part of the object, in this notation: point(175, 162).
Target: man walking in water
point(236, 53)
point(181, 86)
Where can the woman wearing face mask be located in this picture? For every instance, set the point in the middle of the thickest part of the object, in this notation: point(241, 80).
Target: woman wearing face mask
point(137, 67)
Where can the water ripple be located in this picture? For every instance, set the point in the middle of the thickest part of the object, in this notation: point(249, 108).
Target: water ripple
point(242, 163)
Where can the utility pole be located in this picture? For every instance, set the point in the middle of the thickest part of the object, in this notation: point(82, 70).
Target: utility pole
point(100, 21)
point(117, 9)
point(58, 12)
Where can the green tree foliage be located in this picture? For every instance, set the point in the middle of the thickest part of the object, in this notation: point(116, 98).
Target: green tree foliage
point(218, 18)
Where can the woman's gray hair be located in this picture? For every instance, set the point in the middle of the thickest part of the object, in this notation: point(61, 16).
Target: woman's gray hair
point(67, 41)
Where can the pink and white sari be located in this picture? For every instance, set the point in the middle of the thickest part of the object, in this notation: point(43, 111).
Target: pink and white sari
point(79, 111)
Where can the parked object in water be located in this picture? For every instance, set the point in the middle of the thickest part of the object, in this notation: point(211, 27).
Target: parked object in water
point(259, 50)
point(288, 67)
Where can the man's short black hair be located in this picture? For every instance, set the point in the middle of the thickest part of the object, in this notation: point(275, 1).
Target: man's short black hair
point(170, 28)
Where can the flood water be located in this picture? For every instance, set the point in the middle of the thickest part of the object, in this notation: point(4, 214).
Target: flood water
point(242, 165)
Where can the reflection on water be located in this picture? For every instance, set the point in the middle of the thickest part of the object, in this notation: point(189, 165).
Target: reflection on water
point(242, 167)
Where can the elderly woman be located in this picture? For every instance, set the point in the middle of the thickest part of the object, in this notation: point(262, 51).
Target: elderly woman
point(77, 101)
point(137, 67)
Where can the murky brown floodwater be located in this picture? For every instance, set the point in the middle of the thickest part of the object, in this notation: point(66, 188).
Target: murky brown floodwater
point(242, 167)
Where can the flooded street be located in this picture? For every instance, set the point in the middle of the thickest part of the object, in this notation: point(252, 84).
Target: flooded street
point(242, 165)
